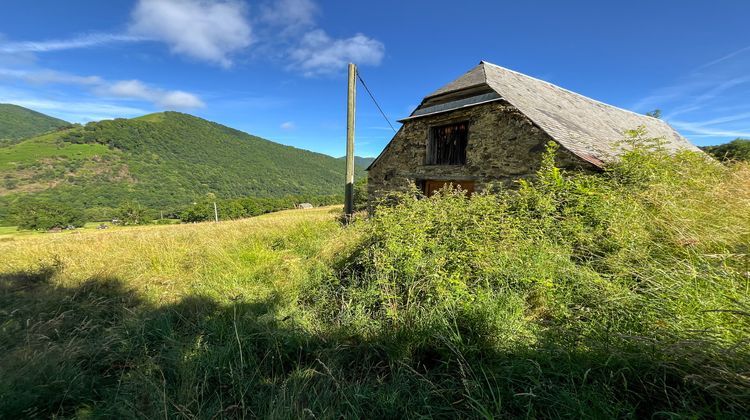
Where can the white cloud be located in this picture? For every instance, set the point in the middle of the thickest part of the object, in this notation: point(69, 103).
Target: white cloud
point(291, 15)
point(96, 109)
point(216, 30)
point(123, 89)
point(709, 101)
point(701, 98)
point(705, 129)
point(202, 29)
point(288, 125)
point(290, 32)
point(135, 89)
point(724, 58)
point(177, 99)
point(74, 110)
point(49, 76)
point(83, 41)
point(318, 53)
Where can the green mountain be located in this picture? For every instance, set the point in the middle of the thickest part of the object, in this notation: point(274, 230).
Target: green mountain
point(164, 161)
point(738, 149)
point(360, 162)
point(17, 122)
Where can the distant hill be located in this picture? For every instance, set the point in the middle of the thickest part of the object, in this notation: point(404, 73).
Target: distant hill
point(738, 149)
point(361, 162)
point(17, 122)
point(164, 161)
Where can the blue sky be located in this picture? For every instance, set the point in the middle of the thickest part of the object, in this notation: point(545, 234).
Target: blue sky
point(277, 69)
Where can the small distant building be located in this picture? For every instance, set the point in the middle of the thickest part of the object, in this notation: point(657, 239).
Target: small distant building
point(491, 125)
point(305, 206)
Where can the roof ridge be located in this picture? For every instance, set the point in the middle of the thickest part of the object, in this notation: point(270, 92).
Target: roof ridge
point(570, 91)
point(441, 91)
point(484, 71)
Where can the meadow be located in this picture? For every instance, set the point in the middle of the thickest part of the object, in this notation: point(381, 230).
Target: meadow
point(48, 147)
point(622, 294)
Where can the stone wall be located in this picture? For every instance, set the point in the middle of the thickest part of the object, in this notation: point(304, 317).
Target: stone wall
point(503, 146)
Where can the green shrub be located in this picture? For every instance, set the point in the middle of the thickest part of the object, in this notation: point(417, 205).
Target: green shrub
point(735, 150)
point(100, 213)
point(629, 279)
point(361, 198)
point(133, 213)
point(41, 215)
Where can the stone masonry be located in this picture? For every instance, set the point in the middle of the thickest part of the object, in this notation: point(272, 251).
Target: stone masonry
point(503, 145)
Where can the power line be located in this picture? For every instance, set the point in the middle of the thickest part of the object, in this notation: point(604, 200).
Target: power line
point(376, 102)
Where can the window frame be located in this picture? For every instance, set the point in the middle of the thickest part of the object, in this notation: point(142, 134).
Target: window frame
point(431, 160)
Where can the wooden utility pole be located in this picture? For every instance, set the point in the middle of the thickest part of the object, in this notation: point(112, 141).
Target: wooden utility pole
point(216, 213)
point(350, 107)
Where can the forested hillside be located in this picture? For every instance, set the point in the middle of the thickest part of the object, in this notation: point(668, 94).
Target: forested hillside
point(738, 150)
point(17, 122)
point(163, 161)
point(362, 162)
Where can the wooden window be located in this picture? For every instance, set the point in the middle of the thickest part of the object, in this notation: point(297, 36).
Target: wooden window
point(431, 186)
point(447, 144)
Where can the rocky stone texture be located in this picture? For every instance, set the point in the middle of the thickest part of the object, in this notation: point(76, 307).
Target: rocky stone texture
point(503, 146)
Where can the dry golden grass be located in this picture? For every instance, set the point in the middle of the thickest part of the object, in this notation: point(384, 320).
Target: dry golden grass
point(248, 257)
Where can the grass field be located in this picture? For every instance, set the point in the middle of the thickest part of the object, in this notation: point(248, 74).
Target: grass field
point(168, 262)
point(46, 147)
point(6, 232)
point(80, 297)
point(624, 294)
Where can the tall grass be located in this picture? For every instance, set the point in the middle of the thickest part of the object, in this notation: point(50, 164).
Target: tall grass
point(617, 294)
point(622, 294)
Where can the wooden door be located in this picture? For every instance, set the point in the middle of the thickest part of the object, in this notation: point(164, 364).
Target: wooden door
point(431, 186)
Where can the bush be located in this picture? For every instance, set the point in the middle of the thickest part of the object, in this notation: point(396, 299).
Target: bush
point(736, 150)
point(361, 197)
point(100, 213)
point(631, 280)
point(132, 213)
point(197, 212)
point(40, 215)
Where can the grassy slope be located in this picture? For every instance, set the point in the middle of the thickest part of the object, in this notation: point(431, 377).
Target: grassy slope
point(83, 175)
point(164, 161)
point(18, 122)
point(46, 147)
point(572, 299)
point(204, 258)
point(109, 293)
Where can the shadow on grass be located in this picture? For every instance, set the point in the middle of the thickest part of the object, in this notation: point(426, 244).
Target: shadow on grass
point(100, 350)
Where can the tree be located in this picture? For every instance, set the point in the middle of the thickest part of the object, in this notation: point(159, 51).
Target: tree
point(100, 213)
point(132, 213)
point(231, 209)
point(201, 210)
point(41, 215)
point(738, 149)
point(655, 113)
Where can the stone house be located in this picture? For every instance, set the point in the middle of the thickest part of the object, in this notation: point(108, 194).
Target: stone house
point(490, 126)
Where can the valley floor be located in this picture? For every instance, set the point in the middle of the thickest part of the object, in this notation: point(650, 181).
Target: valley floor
point(167, 262)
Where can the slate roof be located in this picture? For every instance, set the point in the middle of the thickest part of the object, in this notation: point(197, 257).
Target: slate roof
point(590, 129)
